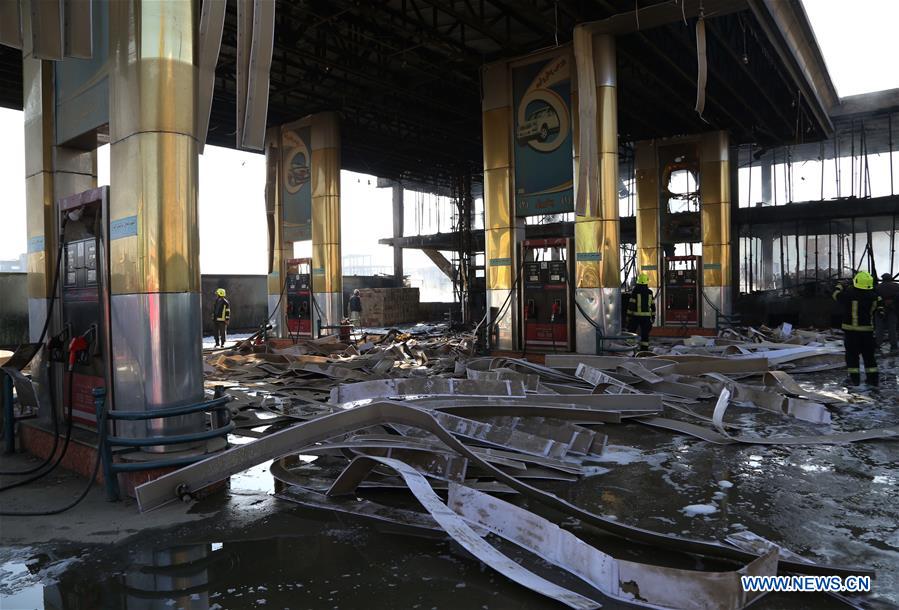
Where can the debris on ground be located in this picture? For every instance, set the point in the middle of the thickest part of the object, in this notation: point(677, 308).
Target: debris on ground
point(418, 411)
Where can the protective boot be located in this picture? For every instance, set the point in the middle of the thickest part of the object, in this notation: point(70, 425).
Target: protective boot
point(855, 379)
point(872, 379)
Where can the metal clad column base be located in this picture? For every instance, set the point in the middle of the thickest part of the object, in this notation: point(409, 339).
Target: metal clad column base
point(720, 298)
point(602, 305)
point(158, 361)
point(330, 307)
point(161, 574)
point(275, 318)
point(37, 315)
point(505, 325)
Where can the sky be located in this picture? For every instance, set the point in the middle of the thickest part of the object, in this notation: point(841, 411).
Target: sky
point(857, 40)
point(233, 234)
point(859, 43)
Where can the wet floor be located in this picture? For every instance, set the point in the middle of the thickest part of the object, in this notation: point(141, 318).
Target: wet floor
point(835, 504)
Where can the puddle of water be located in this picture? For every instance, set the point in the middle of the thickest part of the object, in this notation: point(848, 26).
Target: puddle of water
point(257, 479)
point(319, 564)
point(19, 589)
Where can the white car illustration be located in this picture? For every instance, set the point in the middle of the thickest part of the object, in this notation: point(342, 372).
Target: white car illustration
point(539, 125)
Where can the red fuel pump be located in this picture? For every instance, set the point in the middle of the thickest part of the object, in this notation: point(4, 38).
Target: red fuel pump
point(547, 323)
point(82, 346)
point(299, 297)
point(682, 290)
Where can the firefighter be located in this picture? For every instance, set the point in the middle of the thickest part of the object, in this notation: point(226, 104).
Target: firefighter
point(888, 290)
point(858, 305)
point(356, 308)
point(221, 315)
point(641, 310)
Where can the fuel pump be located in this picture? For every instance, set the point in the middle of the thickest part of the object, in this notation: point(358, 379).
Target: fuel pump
point(547, 323)
point(682, 290)
point(299, 297)
point(80, 349)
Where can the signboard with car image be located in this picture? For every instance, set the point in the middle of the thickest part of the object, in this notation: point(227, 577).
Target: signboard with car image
point(541, 93)
point(296, 189)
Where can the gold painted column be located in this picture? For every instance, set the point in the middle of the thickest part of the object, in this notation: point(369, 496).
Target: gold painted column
point(51, 173)
point(327, 269)
point(596, 238)
point(648, 249)
point(279, 250)
point(154, 238)
point(714, 190)
point(502, 228)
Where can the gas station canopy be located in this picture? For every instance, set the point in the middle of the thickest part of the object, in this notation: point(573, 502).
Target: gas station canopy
point(404, 75)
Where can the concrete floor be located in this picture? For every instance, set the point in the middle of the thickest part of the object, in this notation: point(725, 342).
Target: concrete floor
point(246, 549)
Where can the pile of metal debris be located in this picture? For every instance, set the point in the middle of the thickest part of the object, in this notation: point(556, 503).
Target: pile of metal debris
point(469, 435)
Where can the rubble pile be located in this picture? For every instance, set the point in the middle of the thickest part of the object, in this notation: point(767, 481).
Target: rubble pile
point(466, 435)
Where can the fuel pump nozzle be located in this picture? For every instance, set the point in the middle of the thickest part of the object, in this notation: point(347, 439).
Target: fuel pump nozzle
point(556, 313)
point(79, 346)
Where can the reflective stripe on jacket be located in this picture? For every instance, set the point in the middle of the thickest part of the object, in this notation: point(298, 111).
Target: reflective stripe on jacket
point(858, 307)
point(642, 302)
point(221, 311)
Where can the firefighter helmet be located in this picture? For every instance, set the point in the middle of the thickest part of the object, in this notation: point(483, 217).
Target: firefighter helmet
point(863, 281)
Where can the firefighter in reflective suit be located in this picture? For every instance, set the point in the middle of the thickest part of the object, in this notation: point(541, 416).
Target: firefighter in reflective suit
point(641, 310)
point(221, 315)
point(858, 305)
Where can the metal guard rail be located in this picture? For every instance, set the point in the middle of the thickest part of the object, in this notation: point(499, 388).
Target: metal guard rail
point(107, 442)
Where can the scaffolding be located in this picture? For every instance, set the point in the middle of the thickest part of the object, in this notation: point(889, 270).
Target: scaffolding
point(856, 166)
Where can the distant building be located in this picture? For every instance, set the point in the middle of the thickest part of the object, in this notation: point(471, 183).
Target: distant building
point(362, 264)
point(14, 266)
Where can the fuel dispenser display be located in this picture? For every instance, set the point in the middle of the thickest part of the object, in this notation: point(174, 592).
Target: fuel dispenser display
point(682, 290)
point(299, 297)
point(547, 322)
point(80, 348)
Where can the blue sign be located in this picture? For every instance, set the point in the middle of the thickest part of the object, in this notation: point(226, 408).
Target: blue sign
point(541, 93)
point(588, 257)
point(123, 227)
point(36, 244)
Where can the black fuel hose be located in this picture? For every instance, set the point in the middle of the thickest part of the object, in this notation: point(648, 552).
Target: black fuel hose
point(43, 336)
point(87, 487)
point(62, 453)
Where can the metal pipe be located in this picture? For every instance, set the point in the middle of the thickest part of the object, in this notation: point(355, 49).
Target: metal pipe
point(829, 247)
point(751, 241)
point(156, 464)
point(180, 439)
point(110, 480)
point(9, 416)
point(788, 175)
point(780, 242)
point(893, 247)
point(822, 170)
point(218, 403)
point(774, 175)
point(890, 140)
point(852, 167)
point(836, 162)
point(816, 259)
